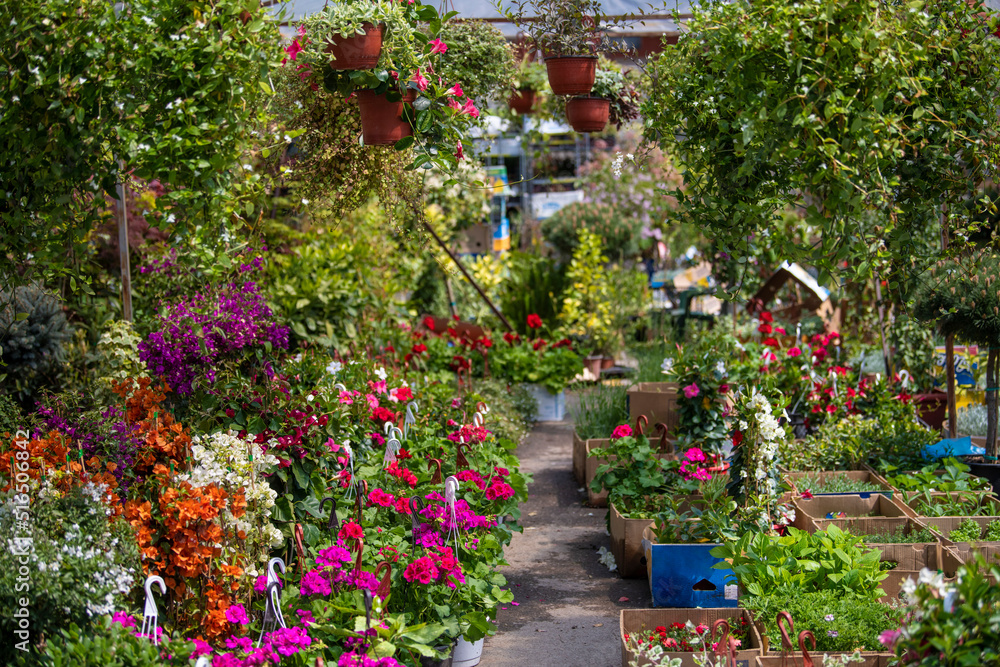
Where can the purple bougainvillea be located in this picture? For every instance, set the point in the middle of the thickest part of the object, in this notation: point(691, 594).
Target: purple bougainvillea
point(228, 323)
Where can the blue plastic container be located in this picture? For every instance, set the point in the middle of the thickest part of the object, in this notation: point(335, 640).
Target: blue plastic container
point(682, 576)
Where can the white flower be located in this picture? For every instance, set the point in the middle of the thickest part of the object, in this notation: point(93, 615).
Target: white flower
point(720, 368)
point(334, 367)
point(381, 374)
point(607, 559)
point(667, 366)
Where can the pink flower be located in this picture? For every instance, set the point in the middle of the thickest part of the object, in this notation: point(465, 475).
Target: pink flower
point(437, 46)
point(460, 153)
point(691, 390)
point(470, 108)
point(623, 431)
point(332, 446)
point(453, 103)
point(455, 90)
point(237, 613)
point(421, 80)
point(377, 387)
point(345, 398)
point(456, 402)
point(302, 30)
point(200, 647)
point(499, 490)
point(372, 401)
point(794, 352)
point(695, 454)
point(889, 637)
point(422, 570)
point(380, 498)
point(292, 50)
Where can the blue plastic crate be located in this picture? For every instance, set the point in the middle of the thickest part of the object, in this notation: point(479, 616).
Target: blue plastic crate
point(682, 576)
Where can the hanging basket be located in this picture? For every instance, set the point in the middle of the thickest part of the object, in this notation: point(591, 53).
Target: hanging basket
point(523, 101)
point(588, 114)
point(571, 75)
point(357, 51)
point(382, 122)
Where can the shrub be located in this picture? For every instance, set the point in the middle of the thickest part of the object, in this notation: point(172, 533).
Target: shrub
point(33, 329)
point(619, 235)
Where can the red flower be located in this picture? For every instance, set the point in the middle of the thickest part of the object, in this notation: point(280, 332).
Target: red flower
point(766, 317)
point(383, 415)
point(511, 337)
point(404, 394)
point(904, 397)
point(565, 342)
point(534, 321)
point(539, 344)
point(351, 531)
point(459, 363)
point(770, 342)
point(723, 388)
point(419, 348)
point(485, 342)
point(764, 328)
point(429, 322)
point(737, 438)
point(807, 494)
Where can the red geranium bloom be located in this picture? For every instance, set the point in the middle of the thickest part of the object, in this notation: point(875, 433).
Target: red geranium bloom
point(429, 322)
point(511, 337)
point(418, 348)
point(770, 342)
point(539, 344)
point(485, 342)
point(766, 317)
point(737, 438)
point(534, 321)
point(764, 328)
point(404, 394)
point(351, 531)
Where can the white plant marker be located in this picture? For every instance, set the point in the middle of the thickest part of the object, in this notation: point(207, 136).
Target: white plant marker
point(272, 611)
point(391, 449)
point(150, 615)
point(450, 496)
point(411, 410)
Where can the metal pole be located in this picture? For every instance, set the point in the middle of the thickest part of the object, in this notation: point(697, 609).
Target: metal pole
point(123, 246)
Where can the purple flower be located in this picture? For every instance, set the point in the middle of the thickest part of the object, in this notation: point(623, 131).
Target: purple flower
point(832, 633)
point(237, 614)
point(288, 641)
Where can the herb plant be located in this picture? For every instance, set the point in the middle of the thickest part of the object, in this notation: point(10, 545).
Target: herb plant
point(900, 536)
point(834, 484)
point(967, 531)
point(600, 410)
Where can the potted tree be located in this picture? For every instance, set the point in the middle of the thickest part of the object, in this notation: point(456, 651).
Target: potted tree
point(963, 297)
point(569, 33)
point(529, 82)
point(613, 98)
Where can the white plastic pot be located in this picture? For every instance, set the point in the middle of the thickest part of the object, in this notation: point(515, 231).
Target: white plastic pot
point(467, 654)
point(551, 407)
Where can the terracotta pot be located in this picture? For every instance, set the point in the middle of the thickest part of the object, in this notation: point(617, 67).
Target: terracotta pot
point(357, 51)
point(594, 364)
point(931, 407)
point(607, 362)
point(382, 122)
point(523, 101)
point(571, 75)
point(588, 114)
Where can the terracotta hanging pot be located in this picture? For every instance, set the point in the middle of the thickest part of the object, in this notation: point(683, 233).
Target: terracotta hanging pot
point(588, 114)
point(358, 51)
point(382, 122)
point(571, 75)
point(523, 101)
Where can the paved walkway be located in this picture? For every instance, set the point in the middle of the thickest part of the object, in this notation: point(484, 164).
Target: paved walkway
point(568, 603)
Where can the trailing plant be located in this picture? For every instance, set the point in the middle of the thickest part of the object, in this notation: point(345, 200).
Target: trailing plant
point(611, 84)
point(480, 57)
point(754, 480)
point(561, 27)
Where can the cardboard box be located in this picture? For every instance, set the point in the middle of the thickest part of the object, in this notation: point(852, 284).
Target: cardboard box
point(863, 476)
point(592, 463)
point(637, 620)
point(626, 544)
point(580, 454)
point(988, 505)
point(853, 505)
point(772, 655)
point(683, 576)
point(657, 401)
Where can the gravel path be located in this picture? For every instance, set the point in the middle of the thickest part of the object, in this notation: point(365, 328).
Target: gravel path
point(568, 603)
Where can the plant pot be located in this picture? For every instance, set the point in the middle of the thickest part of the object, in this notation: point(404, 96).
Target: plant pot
point(588, 114)
point(551, 407)
point(931, 407)
point(358, 51)
point(683, 576)
point(607, 362)
point(467, 654)
point(988, 471)
point(594, 365)
point(571, 75)
point(523, 101)
point(382, 122)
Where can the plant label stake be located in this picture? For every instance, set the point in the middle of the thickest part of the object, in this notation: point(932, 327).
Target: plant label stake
point(807, 660)
point(416, 507)
point(450, 496)
point(477, 419)
point(333, 524)
point(387, 428)
point(272, 611)
point(352, 485)
point(385, 583)
point(411, 410)
point(435, 464)
point(300, 550)
point(391, 449)
point(786, 640)
point(339, 387)
point(150, 615)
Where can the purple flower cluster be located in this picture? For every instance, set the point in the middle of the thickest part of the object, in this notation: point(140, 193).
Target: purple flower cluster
point(332, 575)
point(283, 642)
point(360, 660)
point(105, 434)
point(198, 334)
point(464, 516)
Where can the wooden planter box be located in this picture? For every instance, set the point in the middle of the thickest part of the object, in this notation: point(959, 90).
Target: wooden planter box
point(580, 455)
point(626, 544)
point(657, 401)
point(964, 550)
point(638, 620)
point(682, 576)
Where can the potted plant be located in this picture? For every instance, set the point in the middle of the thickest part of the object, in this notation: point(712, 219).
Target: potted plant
point(963, 297)
point(480, 57)
point(351, 33)
point(530, 81)
point(613, 98)
point(569, 34)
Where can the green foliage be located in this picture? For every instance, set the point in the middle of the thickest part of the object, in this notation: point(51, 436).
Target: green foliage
point(117, 357)
point(33, 332)
point(480, 58)
point(855, 439)
point(171, 88)
point(512, 408)
point(708, 519)
point(560, 27)
point(832, 484)
point(599, 410)
point(650, 358)
point(954, 476)
point(617, 232)
point(955, 623)
point(108, 644)
point(534, 286)
point(970, 531)
point(856, 622)
point(550, 366)
point(634, 470)
point(81, 562)
point(963, 297)
point(842, 107)
point(912, 342)
point(531, 75)
point(825, 560)
point(11, 418)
